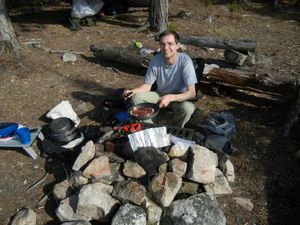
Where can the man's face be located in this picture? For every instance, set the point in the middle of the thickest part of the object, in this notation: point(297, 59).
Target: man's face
point(168, 46)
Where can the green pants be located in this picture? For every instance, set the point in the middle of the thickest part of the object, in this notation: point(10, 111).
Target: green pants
point(182, 111)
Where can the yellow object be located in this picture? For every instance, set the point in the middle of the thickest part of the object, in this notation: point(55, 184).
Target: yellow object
point(138, 44)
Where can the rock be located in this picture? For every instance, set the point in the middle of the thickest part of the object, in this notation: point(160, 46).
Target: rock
point(98, 168)
point(25, 216)
point(110, 146)
point(178, 166)
point(129, 191)
point(81, 222)
point(112, 156)
point(77, 179)
point(153, 211)
point(164, 188)
point(200, 209)
point(62, 190)
point(66, 210)
point(87, 153)
point(133, 169)
point(202, 165)
point(234, 57)
point(99, 149)
point(208, 19)
point(129, 214)
point(222, 159)
point(189, 188)
point(127, 152)
point(150, 158)
point(82, 108)
point(69, 57)
point(163, 168)
point(220, 186)
point(259, 61)
point(230, 171)
point(244, 202)
point(114, 177)
point(115, 172)
point(178, 150)
point(95, 201)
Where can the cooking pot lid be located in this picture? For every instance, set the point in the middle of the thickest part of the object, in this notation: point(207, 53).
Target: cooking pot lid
point(61, 125)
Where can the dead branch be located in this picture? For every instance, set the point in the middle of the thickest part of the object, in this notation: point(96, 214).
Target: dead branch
point(38, 182)
point(213, 42)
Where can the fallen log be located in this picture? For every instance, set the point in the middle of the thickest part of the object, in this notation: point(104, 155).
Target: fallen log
point(251, 81)
point(130, 57)
point(213, 42)
point(239, 79)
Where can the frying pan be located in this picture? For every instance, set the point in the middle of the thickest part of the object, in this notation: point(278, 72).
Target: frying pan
point(144, 105)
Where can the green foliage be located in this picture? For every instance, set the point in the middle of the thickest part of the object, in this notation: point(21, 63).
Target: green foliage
point(171, 26)
point(233, 6)
point(215, 104)
point(208, 2)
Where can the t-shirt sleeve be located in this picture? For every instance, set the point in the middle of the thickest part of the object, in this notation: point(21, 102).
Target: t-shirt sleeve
point(189, 74)
point(151, 75)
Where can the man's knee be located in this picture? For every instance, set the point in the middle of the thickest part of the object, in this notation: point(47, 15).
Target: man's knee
point(136, 98)
point(188, 108)
point(145, 97)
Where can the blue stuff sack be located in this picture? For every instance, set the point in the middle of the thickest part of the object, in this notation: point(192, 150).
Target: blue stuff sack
point(122, 117)
point(222, 124)
point(8, 129)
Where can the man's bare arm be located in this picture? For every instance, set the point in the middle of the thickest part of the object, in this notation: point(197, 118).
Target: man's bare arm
point(189, 94)
point(143, 88)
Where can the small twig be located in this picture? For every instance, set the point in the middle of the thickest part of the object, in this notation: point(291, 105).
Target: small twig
point(144, 27)
point(42, 201)
point(116, 70)
point(62, 51)
point(56, 50)
point(33, 43)
point(63, 165)
point(65, 51)
point(38, 182)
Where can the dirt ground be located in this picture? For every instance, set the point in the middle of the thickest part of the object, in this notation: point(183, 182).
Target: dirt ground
point(267, 171)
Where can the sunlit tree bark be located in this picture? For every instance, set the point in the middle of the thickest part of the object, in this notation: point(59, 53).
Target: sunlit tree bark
point(8, 40)
point(158, 15)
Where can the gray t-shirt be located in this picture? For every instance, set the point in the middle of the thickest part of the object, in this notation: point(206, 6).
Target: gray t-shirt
point(171, 79)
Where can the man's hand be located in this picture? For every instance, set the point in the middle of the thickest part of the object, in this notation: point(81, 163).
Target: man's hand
point(127, 94)
point(164, 101)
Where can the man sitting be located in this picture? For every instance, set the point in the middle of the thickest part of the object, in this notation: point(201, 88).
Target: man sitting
point(175, 77)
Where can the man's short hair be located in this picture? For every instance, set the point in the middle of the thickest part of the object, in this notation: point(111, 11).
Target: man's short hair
point(170, 32)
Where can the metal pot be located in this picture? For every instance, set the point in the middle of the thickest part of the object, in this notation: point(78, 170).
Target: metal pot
point(62, 130)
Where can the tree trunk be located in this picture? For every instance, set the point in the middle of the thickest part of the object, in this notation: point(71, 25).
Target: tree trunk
point(274, 3)
point(213, 42)
point(158, 15)
point(8, 40)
